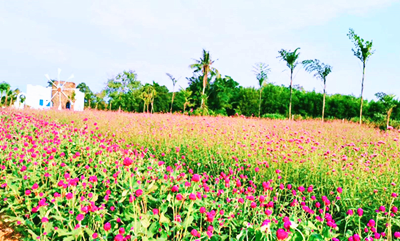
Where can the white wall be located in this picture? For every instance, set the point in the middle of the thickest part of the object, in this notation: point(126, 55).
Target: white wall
point(79, 101)
point(38, 97)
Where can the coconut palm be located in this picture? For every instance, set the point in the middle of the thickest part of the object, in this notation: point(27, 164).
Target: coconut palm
point(321, 72)
point(174, 81)
point(261, 71)
point(291, 62)
point(362, 50)
point(204, 65)
point(186, 96)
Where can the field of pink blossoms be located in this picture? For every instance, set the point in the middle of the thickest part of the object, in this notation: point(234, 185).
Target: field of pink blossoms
point(118, 176)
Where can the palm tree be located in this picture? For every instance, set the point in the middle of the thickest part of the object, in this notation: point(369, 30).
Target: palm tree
point(261, 71)
point(362, 50)
point(186, 96)
point(321, 72)
point(388, 102)
point(291, 62)
point(204, 65)
point(173, 88)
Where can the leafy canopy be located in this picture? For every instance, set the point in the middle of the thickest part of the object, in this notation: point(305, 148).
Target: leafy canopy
point(261, 71)
point(321, 70)
point(362, 49)
point(289, 57)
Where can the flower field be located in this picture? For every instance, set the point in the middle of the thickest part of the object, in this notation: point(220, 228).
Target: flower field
point(118, 176)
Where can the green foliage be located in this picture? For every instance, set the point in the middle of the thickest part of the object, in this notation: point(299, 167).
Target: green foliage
point(274, 116)
point(362, 49)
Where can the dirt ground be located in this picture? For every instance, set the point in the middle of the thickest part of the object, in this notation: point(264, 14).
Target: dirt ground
point(6, 233)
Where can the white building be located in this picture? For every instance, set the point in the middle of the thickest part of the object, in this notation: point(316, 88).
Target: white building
point(39, 97)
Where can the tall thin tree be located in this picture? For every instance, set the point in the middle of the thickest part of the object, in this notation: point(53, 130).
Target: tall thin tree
point(321, 72)
point(261, 71)
point(204, 65)
point(174, 81)
point(362, 50)
point(291, 62)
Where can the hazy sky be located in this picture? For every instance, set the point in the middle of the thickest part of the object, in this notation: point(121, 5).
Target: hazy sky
point(94, 40)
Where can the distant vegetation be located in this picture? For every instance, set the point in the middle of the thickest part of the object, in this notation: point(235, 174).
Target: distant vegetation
point(211, 93)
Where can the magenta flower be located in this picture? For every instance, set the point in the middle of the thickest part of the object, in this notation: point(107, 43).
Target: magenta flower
point(139, 192)
point(35, 186)
point(360, 212)
point(80, 217)
point(179, 197)
point(155, 211)
point(281, 234)
point(175, 188)
point(45, 220)
point(397, 235)
point(119, 237)
point(107, 226)
point(202, 210)
point(196, 178)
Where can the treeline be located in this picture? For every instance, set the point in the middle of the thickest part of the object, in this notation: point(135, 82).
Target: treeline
point(226, 97)
point(210, 93)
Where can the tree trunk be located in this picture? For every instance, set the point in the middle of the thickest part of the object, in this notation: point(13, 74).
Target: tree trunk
point(362, 91)
point(323, 101)
point(144, 106)
point(204, 86)
point(259, 105)
point(290, 98)
point(388, 117)
point(184, 107)
point(110, 105)
point(89, 103)
point(5, 103)
point(152, 107)
point(172, 101)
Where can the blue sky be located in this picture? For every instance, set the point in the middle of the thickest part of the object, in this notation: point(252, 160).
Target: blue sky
point(95, 40)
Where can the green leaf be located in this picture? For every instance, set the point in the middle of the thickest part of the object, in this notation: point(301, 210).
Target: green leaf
point(164, 219)
point(145, 221)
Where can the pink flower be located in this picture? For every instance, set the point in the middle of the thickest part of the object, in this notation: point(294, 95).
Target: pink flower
point(397, 235)
point(202, 210)
point(69, 196)
point(192, 197)
point(127, 161)
point(121, 230)
point(45, 220)
point(119, 237)
point(196, 178)
point(35, 186)
point(175, 188)
point(28, 192)
point(179, 197)
point(281, 234)
point(139, 192)
point(253, 205)
point(394, 209)
point(360, 212)
point(155, 211)
point(80, 217)
point(195, 233)
point(107, 226)
point(95, 235)
point(339, 190)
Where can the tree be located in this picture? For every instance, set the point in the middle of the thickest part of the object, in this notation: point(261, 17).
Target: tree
point(120, 87)
point(148, 94)
point(4, 88)
point(362, 50)
point(186, 96)
point(388, 103)
point(99, 98)
point(291, 62)
point(261, 71)
point(321, 72)
point(82, 87)
point(204, 65)
point(174, 81)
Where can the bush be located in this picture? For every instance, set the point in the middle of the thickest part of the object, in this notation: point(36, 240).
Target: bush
point(274, 116)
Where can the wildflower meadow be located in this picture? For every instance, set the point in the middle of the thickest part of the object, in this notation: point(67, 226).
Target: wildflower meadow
point(124, 176)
